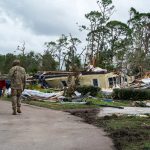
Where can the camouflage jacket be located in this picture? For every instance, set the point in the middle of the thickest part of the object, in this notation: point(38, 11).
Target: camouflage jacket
point(17, 76)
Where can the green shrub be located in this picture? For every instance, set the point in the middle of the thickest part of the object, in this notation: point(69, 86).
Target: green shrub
point(85, 89)
point(131, 94)
point(101, 95)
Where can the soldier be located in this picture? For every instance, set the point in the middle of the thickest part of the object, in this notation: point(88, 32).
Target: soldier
point(17, 76)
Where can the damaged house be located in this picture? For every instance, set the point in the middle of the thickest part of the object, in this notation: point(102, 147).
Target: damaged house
point(102, 79)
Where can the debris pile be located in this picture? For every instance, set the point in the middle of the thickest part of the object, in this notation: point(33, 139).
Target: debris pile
point(53, 97)
point(91, 68)
point(141, 83)
point(137, 111)
point(37, 95)
point(141, 104)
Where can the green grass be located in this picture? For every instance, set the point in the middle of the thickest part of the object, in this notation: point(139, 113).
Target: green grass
point(113, 103)
point(59, 106)
point(129, 133)
point(54, 105)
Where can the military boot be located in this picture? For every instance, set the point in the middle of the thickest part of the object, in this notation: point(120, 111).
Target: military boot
point(18, 110)
point(14, 112)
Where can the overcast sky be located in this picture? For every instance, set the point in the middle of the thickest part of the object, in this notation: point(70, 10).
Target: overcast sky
point(39, 21)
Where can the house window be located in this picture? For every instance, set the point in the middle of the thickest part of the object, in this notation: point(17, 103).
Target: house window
point(110, 80)
point(119, 80)
point(95, 82)
point(114, 81)
point(125, 79)
point(64, 83)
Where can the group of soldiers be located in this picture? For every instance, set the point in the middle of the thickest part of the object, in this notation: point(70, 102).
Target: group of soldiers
point(17, 76)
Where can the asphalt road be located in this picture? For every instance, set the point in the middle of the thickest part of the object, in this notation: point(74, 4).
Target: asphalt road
point(44, 129)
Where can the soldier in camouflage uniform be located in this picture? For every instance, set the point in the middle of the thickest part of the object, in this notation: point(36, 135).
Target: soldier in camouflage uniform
point(17, 76)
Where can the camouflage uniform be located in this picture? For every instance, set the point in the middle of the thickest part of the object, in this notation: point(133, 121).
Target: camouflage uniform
point(17, 76)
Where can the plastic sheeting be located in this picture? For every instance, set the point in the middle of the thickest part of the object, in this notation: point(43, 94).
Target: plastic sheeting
point(37, 94)
point(146, 80)
point(96, 69)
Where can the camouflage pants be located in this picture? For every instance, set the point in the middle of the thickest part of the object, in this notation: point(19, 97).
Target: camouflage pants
point(16, 102)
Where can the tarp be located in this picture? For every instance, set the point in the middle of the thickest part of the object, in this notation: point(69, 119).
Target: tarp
point(96, 69)
point(41, 95)
point(146, 80)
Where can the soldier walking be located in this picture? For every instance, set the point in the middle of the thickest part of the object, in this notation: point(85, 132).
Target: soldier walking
point(17, 76)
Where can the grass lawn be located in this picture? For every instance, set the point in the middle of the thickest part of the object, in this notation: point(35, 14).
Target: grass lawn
point(54, 105)
point(58, 106)
point(127, 132)
point(113, 103)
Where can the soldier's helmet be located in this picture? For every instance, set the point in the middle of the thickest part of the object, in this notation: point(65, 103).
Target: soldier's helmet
point(16, 62)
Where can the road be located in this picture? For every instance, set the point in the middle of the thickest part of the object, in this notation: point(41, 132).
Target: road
point(44, 129)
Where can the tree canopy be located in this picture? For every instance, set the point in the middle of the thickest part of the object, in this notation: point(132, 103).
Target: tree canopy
point(112, 43)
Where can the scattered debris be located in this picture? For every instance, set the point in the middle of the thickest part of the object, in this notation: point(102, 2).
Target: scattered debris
point(91, 68)
point(37, 95)
point(83, 103)
point(141, 103)
point(107, 111)
point(119, 107)
point(55, 96)
point(77, 98)
point(141, 83)
point(107, 91)
point(107, 100)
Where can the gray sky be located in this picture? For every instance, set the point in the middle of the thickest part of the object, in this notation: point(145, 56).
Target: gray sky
point(39, 21)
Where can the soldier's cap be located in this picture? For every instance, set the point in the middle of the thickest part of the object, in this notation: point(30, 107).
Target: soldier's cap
point(16, 62)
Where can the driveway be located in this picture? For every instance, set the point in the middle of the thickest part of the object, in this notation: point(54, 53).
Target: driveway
point(44, 129)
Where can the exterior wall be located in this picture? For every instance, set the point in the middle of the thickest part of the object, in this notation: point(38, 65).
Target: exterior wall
point(56, 82)
point(88, 80)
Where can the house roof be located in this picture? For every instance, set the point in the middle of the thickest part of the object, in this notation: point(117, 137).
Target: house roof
point(57, 74)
